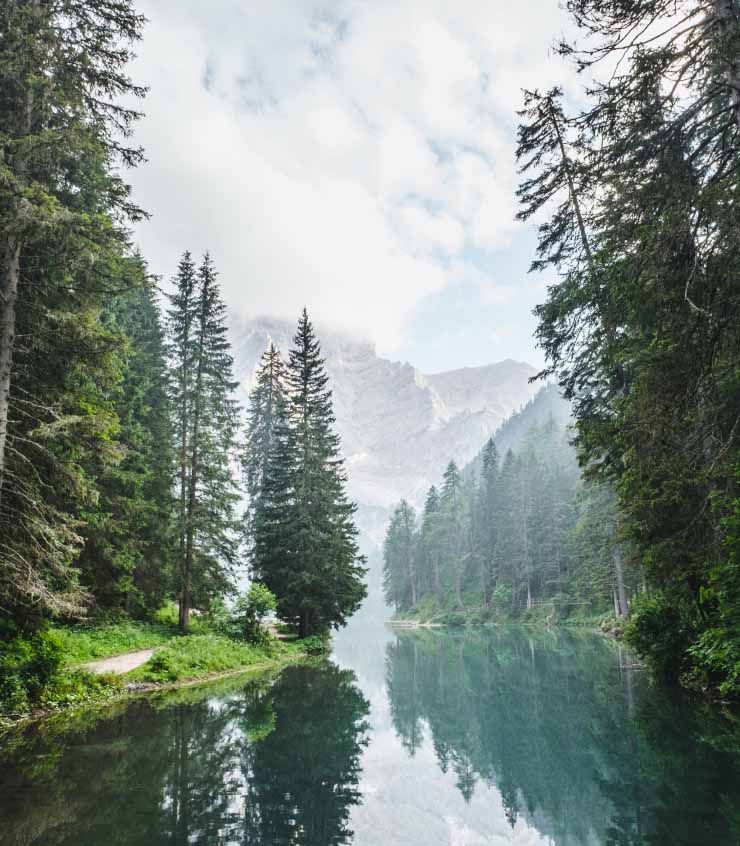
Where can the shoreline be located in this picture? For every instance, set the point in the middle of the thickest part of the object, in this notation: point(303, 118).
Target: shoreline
point(134, 690)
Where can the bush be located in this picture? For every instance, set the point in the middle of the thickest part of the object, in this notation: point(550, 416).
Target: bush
point(657, 630)
point(451, 618)
point(315, 645)
point(245, 620)
point(27, 665)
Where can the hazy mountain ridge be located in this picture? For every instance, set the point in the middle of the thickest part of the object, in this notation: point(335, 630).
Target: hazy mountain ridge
point(398, 426)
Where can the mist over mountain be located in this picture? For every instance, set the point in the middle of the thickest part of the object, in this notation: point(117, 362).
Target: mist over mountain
point(547, 403)
point(398, 426)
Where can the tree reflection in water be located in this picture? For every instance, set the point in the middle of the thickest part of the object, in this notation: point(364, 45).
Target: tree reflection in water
point(578, 743)
point(276, 762)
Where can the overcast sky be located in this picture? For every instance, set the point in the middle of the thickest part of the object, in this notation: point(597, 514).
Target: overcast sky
point(355, 156)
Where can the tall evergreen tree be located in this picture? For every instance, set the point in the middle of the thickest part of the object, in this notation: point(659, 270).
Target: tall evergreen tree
point(181, 316)
point(267, 412)
point(400, 580)
point(128, 549)
point(206, 422)
point(641, 328)
point(62, 246)
point(305, 538)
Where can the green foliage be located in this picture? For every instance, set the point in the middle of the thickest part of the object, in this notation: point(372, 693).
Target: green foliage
point(641, 327)
point(199, 655)
point(70, 689)
point(657, 628)
point(305, 539)
point(522, 537)
point(315, 645)
point(63, 213)
point(80, 644)
point(205, 421)
point(245, 619)
point(27, 665)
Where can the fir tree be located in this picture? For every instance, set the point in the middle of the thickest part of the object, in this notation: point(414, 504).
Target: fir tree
point(305, 538)
point(127, 555)
point(400, 580)
point(206, 421)
point(267, 410)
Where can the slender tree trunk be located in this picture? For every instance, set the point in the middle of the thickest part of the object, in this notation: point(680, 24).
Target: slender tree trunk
point(458, 588)
point(619, 579)
point(437, 580)
point(304, 623)
point(187, 570)
point(184, 612)
point(9, 295)
point(11, 259)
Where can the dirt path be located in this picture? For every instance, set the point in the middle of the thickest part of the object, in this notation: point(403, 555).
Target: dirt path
point(120, 663)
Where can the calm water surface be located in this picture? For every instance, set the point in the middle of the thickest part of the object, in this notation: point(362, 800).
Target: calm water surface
point(411, 739)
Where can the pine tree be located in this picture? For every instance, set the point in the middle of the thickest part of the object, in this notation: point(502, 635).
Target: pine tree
point(181, 318)
point(305, 538)
point(63, 209)
point(641, 329)
point(400, 580)
point(454, 550)
point(267, 410)
point(429, 546)
point(127, 555)
point(487, 520)
point(206, 422)
point(62, 76)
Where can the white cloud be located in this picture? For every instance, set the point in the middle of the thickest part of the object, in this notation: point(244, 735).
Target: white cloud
point(342, 155)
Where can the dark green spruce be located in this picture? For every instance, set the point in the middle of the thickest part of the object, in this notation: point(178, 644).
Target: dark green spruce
point(305, 547)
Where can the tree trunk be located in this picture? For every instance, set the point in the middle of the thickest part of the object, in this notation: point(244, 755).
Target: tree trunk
point(458, 589)
point(619, 578)
point(304, 624)
point(437, 580)
point(187, 569)
point(9, 295)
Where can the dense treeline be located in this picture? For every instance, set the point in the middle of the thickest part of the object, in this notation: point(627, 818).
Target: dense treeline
point(120, 439)
point(642, 328)
point(523, 532)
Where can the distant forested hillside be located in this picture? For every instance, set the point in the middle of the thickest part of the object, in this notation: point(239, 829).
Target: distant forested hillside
point(524, 536)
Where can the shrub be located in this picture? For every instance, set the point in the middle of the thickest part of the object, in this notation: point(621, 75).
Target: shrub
point(245, 620)
point(315, 645)
point(658, 630)
point(27, 665)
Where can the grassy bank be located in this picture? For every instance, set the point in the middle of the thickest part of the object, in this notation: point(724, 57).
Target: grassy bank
point(42, 674)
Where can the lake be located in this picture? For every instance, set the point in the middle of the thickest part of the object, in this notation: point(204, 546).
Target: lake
point(413, 738)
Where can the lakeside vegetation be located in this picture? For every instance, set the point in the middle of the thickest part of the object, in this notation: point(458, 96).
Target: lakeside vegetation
point(122, 447)
point(48, 671)
point(515, 539)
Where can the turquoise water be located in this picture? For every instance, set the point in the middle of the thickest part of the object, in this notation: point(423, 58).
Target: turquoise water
point(415, 738)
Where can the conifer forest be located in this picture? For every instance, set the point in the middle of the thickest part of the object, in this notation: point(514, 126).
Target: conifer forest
point(193, 486)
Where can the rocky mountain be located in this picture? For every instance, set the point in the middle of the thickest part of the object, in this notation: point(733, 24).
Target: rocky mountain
point(398, 426)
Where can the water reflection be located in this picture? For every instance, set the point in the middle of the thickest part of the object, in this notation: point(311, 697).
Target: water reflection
point(276, 762)
point(578, 745)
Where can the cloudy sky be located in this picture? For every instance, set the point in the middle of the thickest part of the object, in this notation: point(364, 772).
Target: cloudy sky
point(355, 156)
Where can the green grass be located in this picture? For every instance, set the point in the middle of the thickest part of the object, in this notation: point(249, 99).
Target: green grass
point(86, 643)
point(195, 656)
